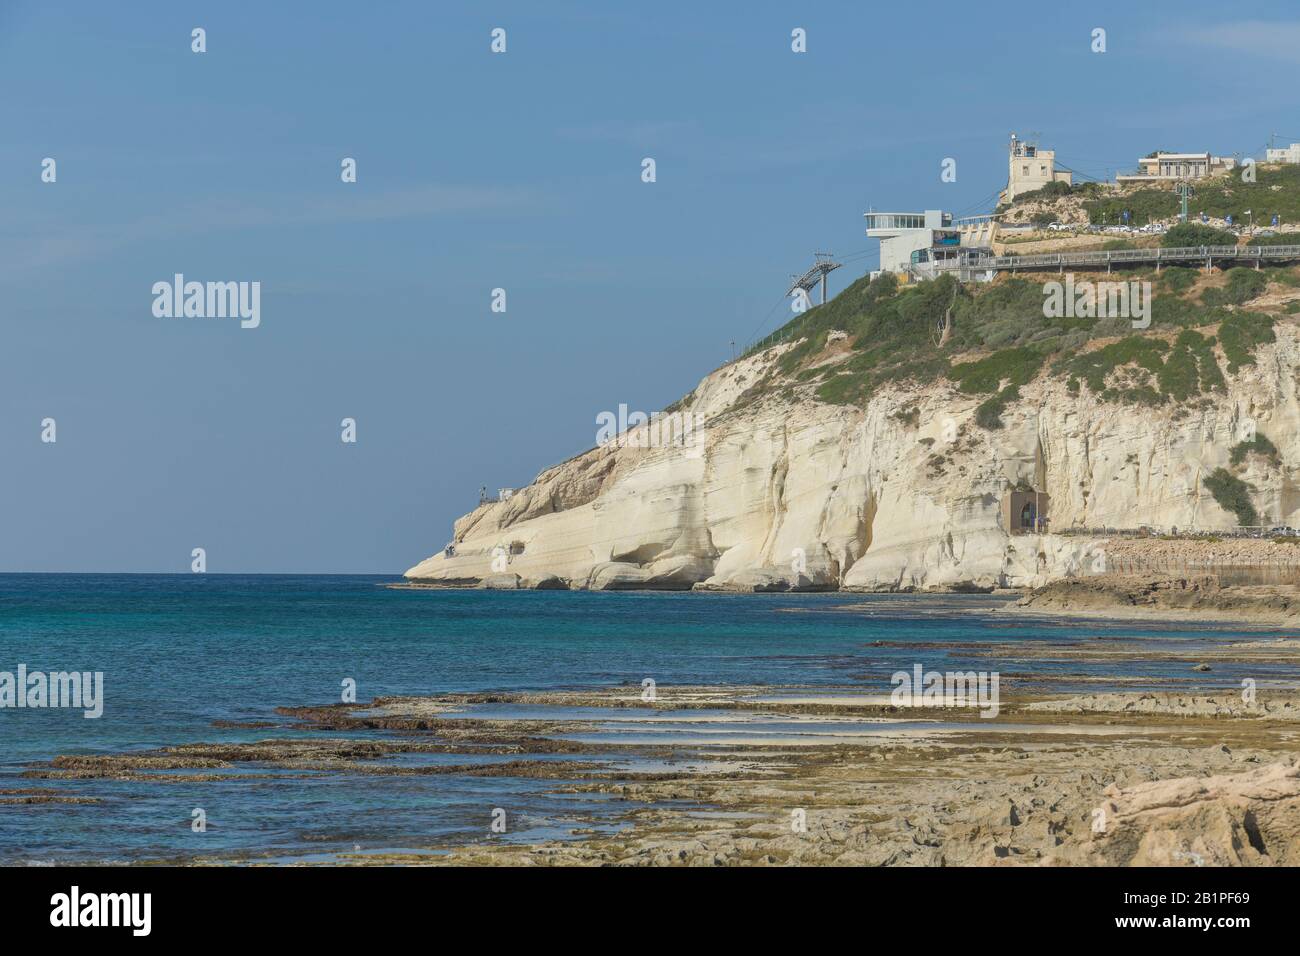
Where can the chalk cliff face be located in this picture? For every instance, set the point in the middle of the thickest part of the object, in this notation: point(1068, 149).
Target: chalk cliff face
point(783, 491)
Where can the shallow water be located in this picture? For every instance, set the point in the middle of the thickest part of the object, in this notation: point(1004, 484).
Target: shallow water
point(181, 651)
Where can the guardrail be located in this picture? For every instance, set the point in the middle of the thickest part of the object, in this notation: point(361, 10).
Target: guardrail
point(1154, 534)
point(1158, 255)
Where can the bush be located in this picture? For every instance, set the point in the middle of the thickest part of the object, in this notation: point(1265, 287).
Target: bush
point(843, 390)
point(989, 413)
point(1243, 285)
point(1093, 367)
point(1017, 366)
point(1259, 445)
point(1177, 377)
point(1209, 374)
point(1239, 333)
point(1007, 314)
point(1178, 279)
point(1232, 494)
point(1052, 190)
point(1197, 234)
point(910, 417)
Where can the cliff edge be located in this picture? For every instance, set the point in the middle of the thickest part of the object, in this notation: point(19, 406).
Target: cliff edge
point(853, 451)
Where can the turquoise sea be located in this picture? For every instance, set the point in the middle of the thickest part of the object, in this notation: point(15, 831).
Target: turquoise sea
point(179, 652)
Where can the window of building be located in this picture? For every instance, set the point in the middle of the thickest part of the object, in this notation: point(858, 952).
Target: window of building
point(895, 221)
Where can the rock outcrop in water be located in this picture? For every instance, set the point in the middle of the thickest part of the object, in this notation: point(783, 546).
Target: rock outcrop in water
point(783, 491)
point(1199, 594)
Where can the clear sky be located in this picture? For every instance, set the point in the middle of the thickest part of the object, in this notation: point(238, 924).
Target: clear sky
point(476, 171)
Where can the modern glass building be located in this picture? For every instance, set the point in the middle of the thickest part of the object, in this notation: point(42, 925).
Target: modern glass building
point(910, 238)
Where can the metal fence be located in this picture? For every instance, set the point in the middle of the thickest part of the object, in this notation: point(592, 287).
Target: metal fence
point(1188, 534)
point(1157, 256)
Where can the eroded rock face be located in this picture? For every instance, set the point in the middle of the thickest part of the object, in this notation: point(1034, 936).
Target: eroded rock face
point(1244, 819)
point(783, 491)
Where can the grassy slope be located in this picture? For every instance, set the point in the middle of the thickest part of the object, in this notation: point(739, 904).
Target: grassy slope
point(1001, 340)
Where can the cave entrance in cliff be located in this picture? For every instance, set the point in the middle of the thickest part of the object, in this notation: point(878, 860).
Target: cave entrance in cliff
point(1026, 512)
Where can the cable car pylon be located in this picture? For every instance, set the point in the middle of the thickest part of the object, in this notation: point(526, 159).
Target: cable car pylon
point(822, 265)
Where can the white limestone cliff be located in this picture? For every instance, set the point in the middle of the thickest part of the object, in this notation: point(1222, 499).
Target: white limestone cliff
point(783, 491)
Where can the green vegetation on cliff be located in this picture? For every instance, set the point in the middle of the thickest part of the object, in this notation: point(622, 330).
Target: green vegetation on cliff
point(1243, 285)
point(876, 333)
point(1240, 333)
point(1232, 494)
point(1259, 445)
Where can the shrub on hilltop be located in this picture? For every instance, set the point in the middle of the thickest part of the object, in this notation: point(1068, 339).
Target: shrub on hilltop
point(1243, 285)
point(1197, 234)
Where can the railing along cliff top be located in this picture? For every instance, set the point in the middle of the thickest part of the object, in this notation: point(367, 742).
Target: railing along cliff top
point(1156, 255)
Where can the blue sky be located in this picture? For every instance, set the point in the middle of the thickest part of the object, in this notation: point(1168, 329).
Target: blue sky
point(478, 171)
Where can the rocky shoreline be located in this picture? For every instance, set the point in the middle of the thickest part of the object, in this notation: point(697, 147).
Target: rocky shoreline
point(1167, 787)
point(1151, 596)
point(1188, 597)
point(759, 775)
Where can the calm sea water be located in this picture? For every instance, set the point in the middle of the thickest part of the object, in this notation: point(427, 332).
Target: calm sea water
point(180, 651)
